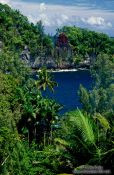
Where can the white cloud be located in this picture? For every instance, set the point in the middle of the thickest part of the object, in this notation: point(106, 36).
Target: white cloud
point(45, 19)
point(64, 17)
point(54, 16)
point(48, 20)
point(42, 15)
point(6, 2)
point(32, 19)
point(109, 24)
point(42, 7)
point(61, 20)
point(58, 22)
point(97, 21)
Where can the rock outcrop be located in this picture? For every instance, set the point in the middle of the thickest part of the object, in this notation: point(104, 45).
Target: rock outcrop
point(25, 55)
point(50, 62)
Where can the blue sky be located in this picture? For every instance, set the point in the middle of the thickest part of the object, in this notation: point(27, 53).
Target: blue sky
point(95, 15)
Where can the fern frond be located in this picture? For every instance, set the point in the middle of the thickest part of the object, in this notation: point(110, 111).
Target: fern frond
point(84, 125)
point(61, 142)
point(103, 121)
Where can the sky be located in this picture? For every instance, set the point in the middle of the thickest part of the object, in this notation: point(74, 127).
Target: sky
point(95, 15)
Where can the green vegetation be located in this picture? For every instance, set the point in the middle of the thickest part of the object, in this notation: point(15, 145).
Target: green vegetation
point(87, 44)
point(34, 138)
point(16, 32)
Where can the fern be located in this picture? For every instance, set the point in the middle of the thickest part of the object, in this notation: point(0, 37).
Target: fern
point(103, 121)
point(84, 125)
point(61, 142)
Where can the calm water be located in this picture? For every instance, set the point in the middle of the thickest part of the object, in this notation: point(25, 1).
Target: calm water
point(68, 85)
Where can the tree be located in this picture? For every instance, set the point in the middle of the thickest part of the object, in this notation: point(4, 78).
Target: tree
point(10, 63)
point(12, 151)
point(38, 114)
point(103, 71)
point(45, 80)
point(98, 99)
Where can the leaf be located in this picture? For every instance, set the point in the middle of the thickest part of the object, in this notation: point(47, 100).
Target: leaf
point(61, 142)
point(84, 125)
point(103, 121)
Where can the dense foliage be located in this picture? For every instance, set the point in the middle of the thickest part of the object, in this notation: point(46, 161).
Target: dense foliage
point(16, 32)
point(85, 43)
point(34, 138)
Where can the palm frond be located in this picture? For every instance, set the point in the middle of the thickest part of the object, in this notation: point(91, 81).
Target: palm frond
point(84, 126)
point(61, 142)
point(103, 121)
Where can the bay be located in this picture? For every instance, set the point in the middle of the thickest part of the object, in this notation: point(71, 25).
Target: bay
point(66, 93)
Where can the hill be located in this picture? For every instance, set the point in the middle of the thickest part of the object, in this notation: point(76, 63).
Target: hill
point(29, 40)
point(16, 32)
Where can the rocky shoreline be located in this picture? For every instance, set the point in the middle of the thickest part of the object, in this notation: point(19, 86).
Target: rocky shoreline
point(65, 69)
point(51, 64)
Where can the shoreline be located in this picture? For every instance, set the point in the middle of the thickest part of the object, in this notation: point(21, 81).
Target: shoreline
point(80, 67)
point(67, 70)
point(63, 70)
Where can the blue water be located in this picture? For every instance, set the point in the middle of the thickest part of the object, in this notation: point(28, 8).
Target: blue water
point(66, 93)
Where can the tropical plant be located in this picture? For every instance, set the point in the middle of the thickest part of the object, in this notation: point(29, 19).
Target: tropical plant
point(100, 98)
point(45, 80)
point(84, 139)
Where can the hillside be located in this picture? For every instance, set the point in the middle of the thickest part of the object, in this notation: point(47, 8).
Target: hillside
point(16, 32)
point(29, 40)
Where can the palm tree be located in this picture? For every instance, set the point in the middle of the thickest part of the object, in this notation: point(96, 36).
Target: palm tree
point(86, 139)
point(45, 80)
